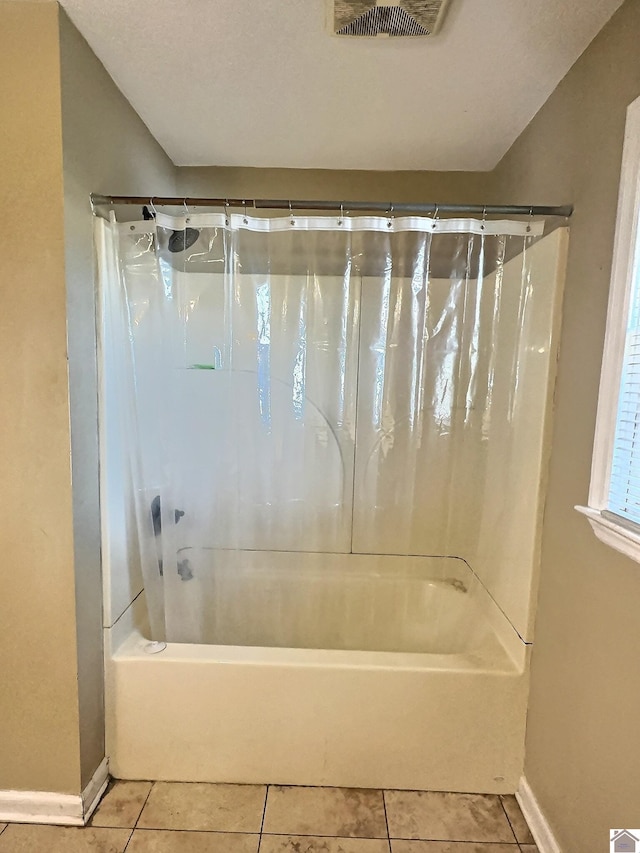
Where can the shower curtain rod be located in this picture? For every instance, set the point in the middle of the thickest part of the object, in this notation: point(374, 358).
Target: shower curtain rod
point(337, 206)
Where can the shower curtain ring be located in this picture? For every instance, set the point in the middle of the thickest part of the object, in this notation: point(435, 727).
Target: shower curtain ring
point(530, 220)
point(293, 222)
point(484, 217)
point(245, 220)
point(186, 210)
point(226, 211)
point(434, 224)
point(341, 214)
point(152, 206)
point(390, 216)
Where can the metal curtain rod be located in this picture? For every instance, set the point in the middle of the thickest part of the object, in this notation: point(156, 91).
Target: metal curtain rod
point(338, 206)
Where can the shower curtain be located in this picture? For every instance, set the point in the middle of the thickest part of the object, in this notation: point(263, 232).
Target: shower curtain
point(290, 389)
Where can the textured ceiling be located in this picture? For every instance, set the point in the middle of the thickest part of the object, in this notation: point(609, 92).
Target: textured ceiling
point(264, 83)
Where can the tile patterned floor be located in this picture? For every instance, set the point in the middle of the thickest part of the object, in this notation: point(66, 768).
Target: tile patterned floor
point(186, 817)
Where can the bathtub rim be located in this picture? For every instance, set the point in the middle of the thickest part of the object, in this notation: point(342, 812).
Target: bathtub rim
point(500, 650)
point(482, 662)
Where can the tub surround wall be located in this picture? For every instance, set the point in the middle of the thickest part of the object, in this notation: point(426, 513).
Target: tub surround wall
point(466, 499)
point(582, 744)
point(502, 508)
point(459, 496)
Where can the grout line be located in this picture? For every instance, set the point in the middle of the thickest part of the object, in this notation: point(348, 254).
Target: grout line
point(135, 825)
point(196, 831)
point(488, 844)
point(386, 819)
point(513, 844)
point(264, 810)
point(508, 819)
point(342, 837)
point(256, 834)
point(124, 849)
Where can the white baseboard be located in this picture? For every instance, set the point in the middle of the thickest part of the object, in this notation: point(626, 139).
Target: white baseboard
point(540, 829)
point(49, 807)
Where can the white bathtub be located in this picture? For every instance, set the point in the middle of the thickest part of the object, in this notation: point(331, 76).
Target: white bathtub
point(284, 599)
point(450, 716)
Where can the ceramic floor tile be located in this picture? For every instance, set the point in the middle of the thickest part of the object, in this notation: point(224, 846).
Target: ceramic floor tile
point(516, 819)
point(199, 806)
point(450, 847)
point(311, 844)
point(2, 826)
point(436, 816)
point(122, 804)
point(32, 838)
point(169, 841)
point(347, 812)
point(528, 848)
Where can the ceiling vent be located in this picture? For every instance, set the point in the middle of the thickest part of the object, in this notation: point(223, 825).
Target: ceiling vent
point(394, 18)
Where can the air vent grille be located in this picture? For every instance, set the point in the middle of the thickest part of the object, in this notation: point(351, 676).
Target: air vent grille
point(404, 18)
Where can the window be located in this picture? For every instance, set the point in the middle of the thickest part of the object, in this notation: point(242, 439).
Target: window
point(614, 495)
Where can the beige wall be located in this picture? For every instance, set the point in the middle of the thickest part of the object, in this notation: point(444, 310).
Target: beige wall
point(39, 742)
point(227, 182)
point(583, 749)
point(54, 90)
point(106, 149)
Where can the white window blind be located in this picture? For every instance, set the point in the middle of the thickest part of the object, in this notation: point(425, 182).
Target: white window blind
point(624, 485)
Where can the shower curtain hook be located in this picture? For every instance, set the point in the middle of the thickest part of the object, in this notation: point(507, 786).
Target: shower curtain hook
point(434, 224)
point(390, 216)
point(226, 211)
point(152, 206)
point(484, 217)
point(186, 210)
point(341, 213)
point(530, 220)
point(293, 222)
point(245, 220)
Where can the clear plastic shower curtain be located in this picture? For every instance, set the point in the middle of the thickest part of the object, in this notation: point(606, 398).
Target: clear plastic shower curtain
point(295, 388)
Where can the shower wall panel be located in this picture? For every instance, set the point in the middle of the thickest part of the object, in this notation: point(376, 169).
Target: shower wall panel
point(264, 429)
point(374, 415)
point(453, 400)
point(509, 499)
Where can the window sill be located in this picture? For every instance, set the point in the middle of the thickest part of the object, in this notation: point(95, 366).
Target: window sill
point(615, 535)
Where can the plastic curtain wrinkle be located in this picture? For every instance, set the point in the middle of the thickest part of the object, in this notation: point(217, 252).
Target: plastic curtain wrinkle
point(309, 413)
